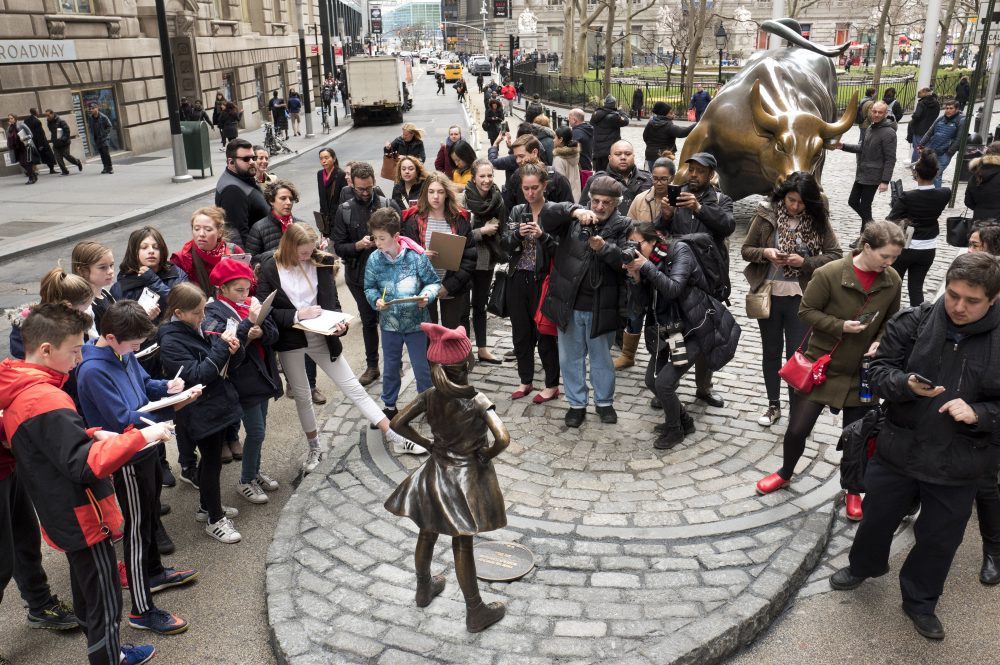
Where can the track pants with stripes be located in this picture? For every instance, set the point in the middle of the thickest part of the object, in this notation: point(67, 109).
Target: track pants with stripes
point(97, 600)
point(138, 487)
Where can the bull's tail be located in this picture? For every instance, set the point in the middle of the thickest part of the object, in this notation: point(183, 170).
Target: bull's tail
point(789, 30)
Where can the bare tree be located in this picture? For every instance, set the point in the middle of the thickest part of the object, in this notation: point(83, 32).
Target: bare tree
point(793, 8)
point(699, 18)
point(630, 13)
point(586, 20)
point(673, 24)
point(880, 40)
point(945, 28)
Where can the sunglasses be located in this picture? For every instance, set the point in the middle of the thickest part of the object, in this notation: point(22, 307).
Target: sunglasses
point(245, 159)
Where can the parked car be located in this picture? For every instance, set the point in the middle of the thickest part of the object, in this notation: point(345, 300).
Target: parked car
point(432, 65)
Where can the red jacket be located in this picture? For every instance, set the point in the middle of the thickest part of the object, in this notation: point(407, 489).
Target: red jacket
point(509, 92)
point(65, 470)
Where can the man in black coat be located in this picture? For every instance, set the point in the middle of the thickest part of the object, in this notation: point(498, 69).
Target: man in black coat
point(939, 441)
point(41, 142)
point(527, 147)
point(583, 133)
point(701, 208)
point(927, 110)
point(60, 141)
point(353, 244)
point(622, 167)
point(100, 134)
point(608, 122)
point(237, 191)
point(876, 159)
point(585, 294)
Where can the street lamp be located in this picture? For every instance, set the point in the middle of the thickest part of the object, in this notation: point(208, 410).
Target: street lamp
point(720, 43)
point(621, 50)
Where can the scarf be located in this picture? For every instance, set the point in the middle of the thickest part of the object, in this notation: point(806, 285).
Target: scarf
point(242, 308)
point(788, 238)
point(483, 209)
point(284, 221)
point(199, 263)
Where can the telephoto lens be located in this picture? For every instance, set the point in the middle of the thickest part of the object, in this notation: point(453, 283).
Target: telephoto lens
point(678, 349)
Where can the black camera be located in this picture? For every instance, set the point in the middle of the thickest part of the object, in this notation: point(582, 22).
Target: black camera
point(630, 251)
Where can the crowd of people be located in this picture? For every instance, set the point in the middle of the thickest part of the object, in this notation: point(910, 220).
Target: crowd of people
point(581, 247)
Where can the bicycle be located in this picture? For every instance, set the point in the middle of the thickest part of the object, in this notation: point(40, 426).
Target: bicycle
point(325, 115)
point(273, 144)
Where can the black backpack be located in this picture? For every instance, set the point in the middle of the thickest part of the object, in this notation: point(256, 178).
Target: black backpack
point(713, 264)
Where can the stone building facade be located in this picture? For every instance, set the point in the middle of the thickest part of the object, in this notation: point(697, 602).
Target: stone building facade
point(64, 54)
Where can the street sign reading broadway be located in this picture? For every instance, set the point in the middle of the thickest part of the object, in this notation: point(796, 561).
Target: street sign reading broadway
point(376, 20)
point(14, 51)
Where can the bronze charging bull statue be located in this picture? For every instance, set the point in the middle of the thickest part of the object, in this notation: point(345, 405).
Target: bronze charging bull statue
point(773, 118)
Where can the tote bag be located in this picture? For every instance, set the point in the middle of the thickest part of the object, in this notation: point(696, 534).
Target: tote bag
point(497, 304)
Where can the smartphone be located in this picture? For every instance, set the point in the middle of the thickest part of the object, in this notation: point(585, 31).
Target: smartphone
point(867, 318)
point(673, 191)
point(923, 379)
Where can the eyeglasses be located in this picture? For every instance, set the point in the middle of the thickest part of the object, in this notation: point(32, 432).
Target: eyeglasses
point(661, 178)
point(364, 190)
point(245, 159)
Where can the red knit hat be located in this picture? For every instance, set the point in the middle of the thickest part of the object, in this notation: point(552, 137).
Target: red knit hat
point(446, 346)
point(227, 270)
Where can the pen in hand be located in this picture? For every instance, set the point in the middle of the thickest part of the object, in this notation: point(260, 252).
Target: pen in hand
point(178, 375)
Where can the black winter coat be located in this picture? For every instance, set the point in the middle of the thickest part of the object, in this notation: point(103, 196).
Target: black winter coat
point(876, 153)
point(456, 281)
point(633, 183)
point(265, 236)
point(714, 218)
point(677, 284)
point(202, 358)
point(661, 133)
point(283, 311)
point(401, 197)
point(512, 242)
point(414, 148)
point(255, 376)
point(584, 135)
point(350, 225)
point(916, 439)
point(608, 122)
point(575, 261)
point(55, 124)
point(982, 194)
point(329, 196)
point(927, 110)
point(244, 203)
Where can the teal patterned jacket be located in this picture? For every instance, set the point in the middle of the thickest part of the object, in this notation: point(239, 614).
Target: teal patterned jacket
point(411, 274)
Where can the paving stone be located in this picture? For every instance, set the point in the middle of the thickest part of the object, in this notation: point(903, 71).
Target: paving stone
point(619, 580)
point(580, 629)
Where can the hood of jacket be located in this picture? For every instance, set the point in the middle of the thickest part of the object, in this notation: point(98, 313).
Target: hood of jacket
point(542, 132)
point(610, 102)
point(569, 153)
point(985, 161)
point(657, 121)
point(585, 128)
point(16, 376)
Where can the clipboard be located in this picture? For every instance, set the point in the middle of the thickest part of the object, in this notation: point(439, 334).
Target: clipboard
point(169, 400)
point(265, 308)
point(403, 301)
point(324, 323)
point(449, 248)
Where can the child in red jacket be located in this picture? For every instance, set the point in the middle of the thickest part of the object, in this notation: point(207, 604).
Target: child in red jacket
point(67, 469)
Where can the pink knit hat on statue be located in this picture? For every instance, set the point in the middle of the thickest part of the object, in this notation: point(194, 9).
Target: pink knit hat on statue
point(446, 346)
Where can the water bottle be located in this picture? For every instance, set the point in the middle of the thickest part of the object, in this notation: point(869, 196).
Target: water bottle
point(865, 393)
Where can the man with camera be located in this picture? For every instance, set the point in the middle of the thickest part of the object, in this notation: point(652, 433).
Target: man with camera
point(622, 167)
point(584, 294)
point(353, 244)
point(698, 207)
point(940, 438)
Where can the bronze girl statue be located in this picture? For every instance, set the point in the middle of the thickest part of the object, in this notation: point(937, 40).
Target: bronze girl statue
point(455, 492)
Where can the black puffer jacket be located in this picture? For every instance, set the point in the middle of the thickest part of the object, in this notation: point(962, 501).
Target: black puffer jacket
point(927, 110)
point(414, 148)
point(608, 122)
point(201, 358)
point(633, 183)
point(916, 439)
point(661, 133)
point(677, 282)
point(512, 242)
point(255, 376)
point(982, 194)
point(575, 261)
point(264, 236)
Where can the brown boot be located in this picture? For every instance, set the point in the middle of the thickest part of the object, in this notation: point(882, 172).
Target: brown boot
point(236, 448)
point(428, 587)
point(482, 616)
point(370, 376)
point(630, 342)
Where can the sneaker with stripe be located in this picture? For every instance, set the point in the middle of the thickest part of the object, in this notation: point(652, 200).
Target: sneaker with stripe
point(252, 492)
point(266, 482)
point(201, 514)
point(158, 621)
point(224, 531)
point(137, 655)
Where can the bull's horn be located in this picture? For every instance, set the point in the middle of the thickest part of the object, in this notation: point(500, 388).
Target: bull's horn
point(761, 118)
point(790, 31)
point(831, 130)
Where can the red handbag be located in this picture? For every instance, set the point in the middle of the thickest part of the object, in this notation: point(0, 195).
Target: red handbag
point(544, 324)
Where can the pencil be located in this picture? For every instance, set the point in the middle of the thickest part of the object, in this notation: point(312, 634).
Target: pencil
point(384, 289)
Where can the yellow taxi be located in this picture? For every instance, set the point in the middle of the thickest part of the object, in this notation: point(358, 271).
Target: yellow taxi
point(452, 71)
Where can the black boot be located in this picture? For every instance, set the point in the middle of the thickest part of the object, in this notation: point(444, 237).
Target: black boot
point(478, 615)
point(428, 586)
point(989, 574)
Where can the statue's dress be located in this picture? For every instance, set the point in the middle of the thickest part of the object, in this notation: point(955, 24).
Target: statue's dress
point(453, 492)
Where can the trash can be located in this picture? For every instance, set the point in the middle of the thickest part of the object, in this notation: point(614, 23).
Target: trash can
point(197, 151)
point(972, 151)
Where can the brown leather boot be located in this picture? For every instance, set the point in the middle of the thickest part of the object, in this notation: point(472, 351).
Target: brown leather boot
point(369, 376)
point(481, 616)
point(630, 342)
point(428, 587)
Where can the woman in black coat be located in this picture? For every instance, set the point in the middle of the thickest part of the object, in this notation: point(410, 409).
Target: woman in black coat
point(493, 120)
point(661, 133)
point(304, 278)
point(331, 181)
point(266, 233)
point(229, 122)
point(410, 176)
point(409, 142)
point(982, 194)
point(923, 207)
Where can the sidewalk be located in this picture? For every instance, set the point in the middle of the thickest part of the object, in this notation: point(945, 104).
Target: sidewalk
point(58, 208)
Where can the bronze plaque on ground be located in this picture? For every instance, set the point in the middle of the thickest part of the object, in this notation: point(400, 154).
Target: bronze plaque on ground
point(503, 562)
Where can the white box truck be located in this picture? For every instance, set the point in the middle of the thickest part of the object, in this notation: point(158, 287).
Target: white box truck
point(373, 87)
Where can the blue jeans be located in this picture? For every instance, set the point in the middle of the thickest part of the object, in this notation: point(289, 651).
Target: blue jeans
point(575, 346)
point(943, 160)
point(255, 425)
point(392, 362)
point(914, 153)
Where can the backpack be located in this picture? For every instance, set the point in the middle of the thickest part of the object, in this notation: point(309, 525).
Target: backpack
point(713, 265)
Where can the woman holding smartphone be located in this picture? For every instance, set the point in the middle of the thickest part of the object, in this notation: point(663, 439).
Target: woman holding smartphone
point(789, 238)
point(846, 304)
point(531, 251)
point(410, 176)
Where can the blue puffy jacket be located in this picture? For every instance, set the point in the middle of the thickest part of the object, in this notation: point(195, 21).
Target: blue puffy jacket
point(943, 135)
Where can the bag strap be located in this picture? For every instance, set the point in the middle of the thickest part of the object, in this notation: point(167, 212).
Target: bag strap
point(809, 332)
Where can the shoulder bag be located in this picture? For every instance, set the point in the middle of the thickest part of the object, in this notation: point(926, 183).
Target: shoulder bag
point(958, 229)
point(497, 304)
point(759, 302)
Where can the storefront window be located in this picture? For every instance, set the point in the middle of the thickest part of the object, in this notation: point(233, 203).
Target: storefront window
point(108, 105)
point(76, 6)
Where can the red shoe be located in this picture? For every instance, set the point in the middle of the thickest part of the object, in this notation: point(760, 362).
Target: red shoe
point(542, 399)
point(853, 507)
point(518, 394)
point(122, 575)
point(771, 483)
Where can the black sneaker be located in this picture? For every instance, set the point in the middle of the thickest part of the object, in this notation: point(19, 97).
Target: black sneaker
point(670, 438)
point(575, 417)
point(390, 413)
point(168, 476)
point(57, 615)
point(189, 475)
point(164, 509)
point(608, 414)
point(164, 545)
point(171, 577)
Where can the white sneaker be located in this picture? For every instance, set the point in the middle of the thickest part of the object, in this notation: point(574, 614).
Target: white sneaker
point(266, 482)
point(224, 531)
point(312, 460)
point(252, 492)
point(771, 416)
point(403, 446)
point(202, 515)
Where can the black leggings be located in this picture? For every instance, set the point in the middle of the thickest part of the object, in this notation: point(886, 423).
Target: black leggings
point(801, 420)
point(918, 263)
point(785, 329)
point(988, 509)
point(481, 282)
point(210, 472)
point(522, 303)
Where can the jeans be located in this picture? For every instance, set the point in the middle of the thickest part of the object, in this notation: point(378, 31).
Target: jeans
point(575, 347)
point(917, 262)
point(861, 199)
point(914, 153)
point(944, 159)
point(392, 350)
point(782, 329)
point(255, 426)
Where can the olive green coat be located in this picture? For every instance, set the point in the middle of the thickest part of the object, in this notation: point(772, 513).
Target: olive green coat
point(760, 236)
point(834, 295)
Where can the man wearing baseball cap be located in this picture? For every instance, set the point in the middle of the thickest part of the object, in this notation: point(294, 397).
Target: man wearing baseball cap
point(701, 208)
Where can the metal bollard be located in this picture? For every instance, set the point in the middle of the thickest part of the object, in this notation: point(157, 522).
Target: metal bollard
point(336, 120)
